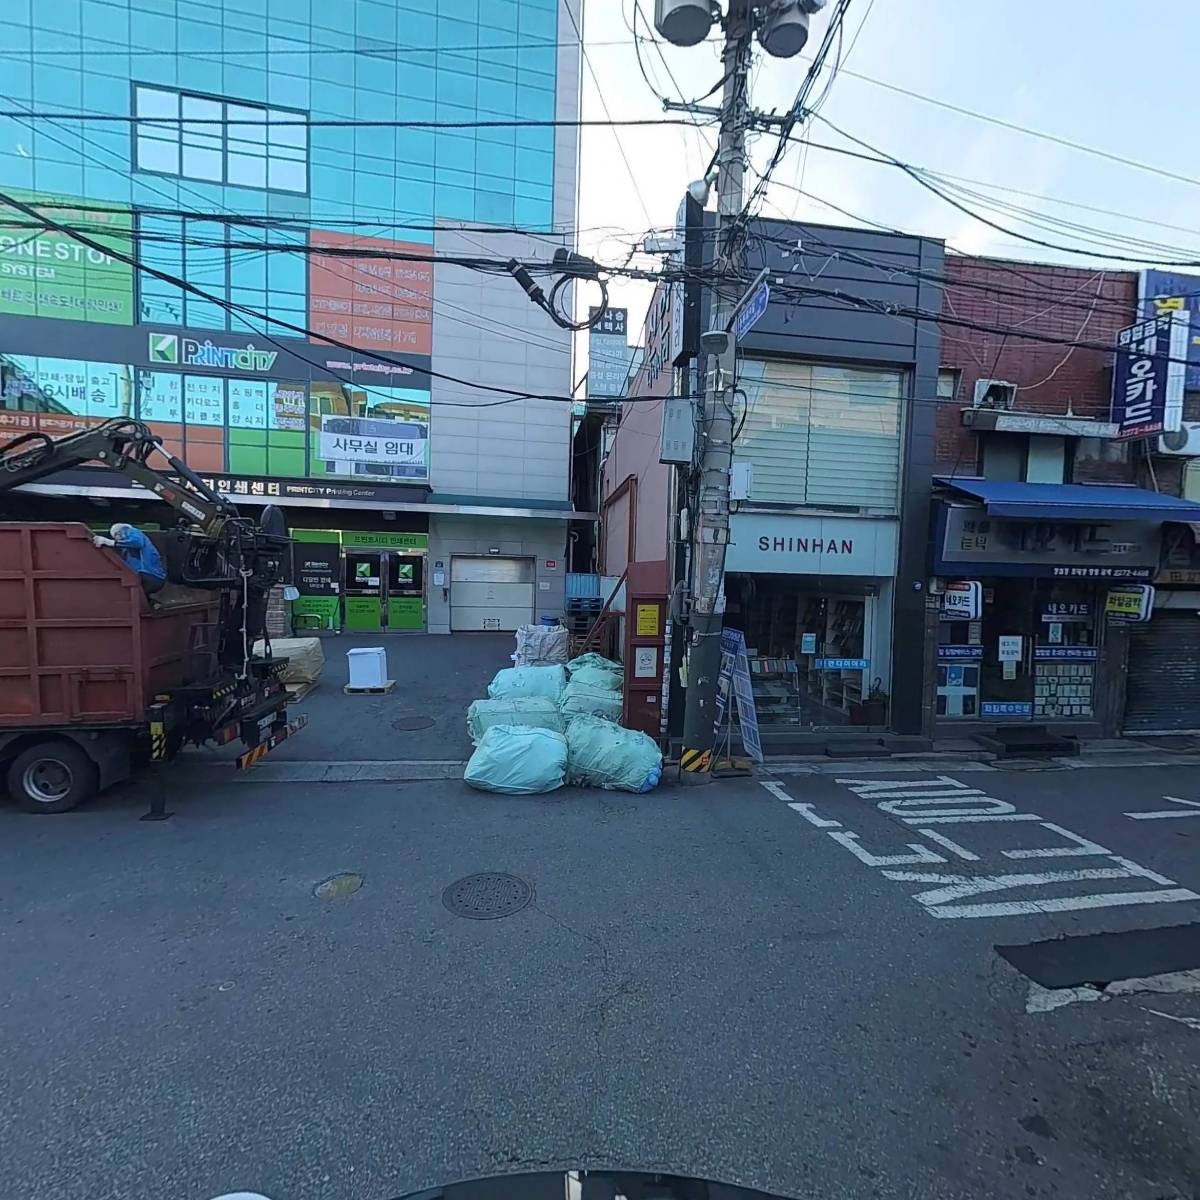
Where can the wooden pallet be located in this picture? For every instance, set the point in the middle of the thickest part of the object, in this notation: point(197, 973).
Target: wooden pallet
point(297, 691)
point(389, 685)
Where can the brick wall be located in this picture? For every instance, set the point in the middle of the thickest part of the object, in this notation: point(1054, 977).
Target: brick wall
point(1059, 301)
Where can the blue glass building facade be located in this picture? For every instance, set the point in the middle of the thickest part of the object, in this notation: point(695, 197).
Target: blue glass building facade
point(203, 140)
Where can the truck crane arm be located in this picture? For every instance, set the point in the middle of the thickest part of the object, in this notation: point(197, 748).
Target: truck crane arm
point(123, 445)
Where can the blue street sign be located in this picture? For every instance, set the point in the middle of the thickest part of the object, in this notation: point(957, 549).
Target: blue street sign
point(751, 311)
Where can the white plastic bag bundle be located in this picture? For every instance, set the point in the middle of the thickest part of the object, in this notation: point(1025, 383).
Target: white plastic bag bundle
point(528, 681)
point(592, 659)
point(584, 699)
point(518, 761)
point(601, 754)
point(541, 645)
point(537, 712)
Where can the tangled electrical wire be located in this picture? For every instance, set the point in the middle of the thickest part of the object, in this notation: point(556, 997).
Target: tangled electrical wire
point(569, 266)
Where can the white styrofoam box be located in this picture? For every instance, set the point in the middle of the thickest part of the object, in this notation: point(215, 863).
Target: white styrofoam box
point(368, 666)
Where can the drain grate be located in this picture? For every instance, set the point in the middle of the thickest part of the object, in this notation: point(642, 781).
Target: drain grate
point(408, 724)
point(488, 895)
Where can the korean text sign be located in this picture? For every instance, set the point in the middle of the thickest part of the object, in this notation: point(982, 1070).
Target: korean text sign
point(1167, 292)
point(1148, 377)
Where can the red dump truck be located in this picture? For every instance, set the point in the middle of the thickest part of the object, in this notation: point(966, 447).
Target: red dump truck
point(96, 676)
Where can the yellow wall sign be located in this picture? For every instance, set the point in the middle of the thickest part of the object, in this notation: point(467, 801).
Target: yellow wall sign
point(1134, 603)
point(647, 620)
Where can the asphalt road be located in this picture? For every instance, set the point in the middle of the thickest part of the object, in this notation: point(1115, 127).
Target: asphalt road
point(707, 981)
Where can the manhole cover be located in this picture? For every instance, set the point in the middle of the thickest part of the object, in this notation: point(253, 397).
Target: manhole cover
point(407, 724)
point(488, 895)
point(337, 886)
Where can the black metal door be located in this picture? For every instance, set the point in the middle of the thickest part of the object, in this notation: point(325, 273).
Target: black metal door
point(1162, 690)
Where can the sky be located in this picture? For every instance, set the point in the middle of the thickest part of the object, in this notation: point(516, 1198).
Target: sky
point(1116, 77)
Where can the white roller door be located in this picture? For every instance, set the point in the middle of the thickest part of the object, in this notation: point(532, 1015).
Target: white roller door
point(490, 593)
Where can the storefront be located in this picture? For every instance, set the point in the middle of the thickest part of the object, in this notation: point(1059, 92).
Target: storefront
point(1024, 579)
point(813, 597)
point(359, 580)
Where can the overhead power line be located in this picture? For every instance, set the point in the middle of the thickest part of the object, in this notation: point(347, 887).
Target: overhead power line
point(300, 330)
point(341, 122)
point(917, 176)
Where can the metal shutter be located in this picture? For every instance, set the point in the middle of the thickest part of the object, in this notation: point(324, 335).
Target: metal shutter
point(490, 593)
point(1162, 690)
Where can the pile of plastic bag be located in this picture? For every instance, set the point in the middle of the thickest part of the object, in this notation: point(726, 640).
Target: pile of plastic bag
point(601, 754)
point(547, 682)
point(518, 761)
point(537, 712)
point(541, 645)
point(518, 732)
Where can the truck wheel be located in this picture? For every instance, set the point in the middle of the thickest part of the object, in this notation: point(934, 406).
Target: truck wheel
point(52, 777)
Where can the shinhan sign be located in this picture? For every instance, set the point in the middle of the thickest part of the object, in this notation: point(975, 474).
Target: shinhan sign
point(181, 351)
point(804, 544)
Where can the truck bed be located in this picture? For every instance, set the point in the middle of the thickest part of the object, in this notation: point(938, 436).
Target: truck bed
point(79, 642)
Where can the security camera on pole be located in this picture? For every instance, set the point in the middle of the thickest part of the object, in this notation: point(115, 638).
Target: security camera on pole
point(782, 29)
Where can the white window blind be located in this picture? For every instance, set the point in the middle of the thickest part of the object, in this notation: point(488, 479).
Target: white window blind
point(822, 436)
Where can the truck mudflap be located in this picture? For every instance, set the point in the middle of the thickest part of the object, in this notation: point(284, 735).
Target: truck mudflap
point(256, 753)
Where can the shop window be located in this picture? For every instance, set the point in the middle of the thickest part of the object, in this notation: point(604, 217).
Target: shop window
point(824, 436)
point(1032, 654)
point(808, 649)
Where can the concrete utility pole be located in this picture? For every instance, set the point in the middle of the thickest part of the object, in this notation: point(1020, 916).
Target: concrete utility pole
point(711, 532)
point(782, 28)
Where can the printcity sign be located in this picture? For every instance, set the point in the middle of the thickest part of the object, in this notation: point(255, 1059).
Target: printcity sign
point(173, 350)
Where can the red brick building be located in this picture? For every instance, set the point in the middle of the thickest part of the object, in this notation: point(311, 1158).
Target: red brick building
point(1052, 380)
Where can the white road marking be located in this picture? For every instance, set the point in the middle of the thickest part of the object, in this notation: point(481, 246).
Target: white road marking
point(1145, 872)
point(1190, 1022)
point(1081, 846)
point(1027, 908)
point(776, 790)
point(942, 800)
point(959, 887)
point(1168, 814)
point(947, 844)
point(867, 788)
point(806, 811)
point(968, 818)
point(920, 854)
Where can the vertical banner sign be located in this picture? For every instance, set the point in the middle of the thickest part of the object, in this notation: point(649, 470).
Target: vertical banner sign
point(735, 671)
point(1166, 292)
point(1148, 377)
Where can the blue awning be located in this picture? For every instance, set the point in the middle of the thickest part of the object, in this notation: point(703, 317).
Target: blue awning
point(1072, 501)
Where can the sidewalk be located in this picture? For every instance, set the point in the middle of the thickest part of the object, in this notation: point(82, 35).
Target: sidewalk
point(964, 754)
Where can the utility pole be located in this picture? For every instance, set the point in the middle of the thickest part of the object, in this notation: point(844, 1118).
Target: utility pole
point(782, 28)
point(711, 532)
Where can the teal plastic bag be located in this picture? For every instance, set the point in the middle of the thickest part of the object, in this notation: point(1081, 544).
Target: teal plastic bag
point(584, 699)
point(518, 761)
point(592, 659)
point(537, 712)
point(600, 677)
point(601, 754)
point(528, 681)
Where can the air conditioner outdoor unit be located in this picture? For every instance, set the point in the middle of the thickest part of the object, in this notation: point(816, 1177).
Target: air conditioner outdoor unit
point(995, 393)
point(1185, 441)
